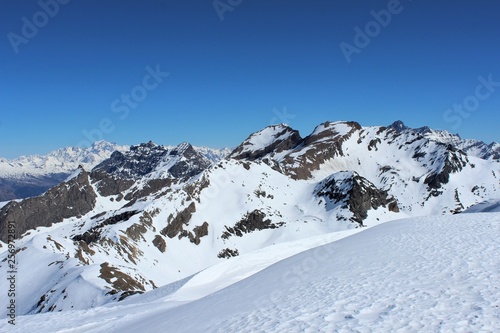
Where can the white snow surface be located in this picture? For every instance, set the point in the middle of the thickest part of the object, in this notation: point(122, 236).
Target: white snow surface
point(432, 274)
point(489, 206)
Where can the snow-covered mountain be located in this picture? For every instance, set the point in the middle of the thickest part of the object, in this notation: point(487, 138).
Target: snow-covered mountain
point(28, 176)
point(152, 215)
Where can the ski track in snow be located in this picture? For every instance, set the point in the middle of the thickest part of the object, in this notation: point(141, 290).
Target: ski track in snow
point(432, 274)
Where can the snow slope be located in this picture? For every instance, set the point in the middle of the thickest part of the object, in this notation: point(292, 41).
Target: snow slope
point(438, 274)
point(489, 206)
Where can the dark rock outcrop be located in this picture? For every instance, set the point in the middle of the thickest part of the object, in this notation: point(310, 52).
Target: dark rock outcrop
point(143, 159)
point(323, 144)
point(175, 226)
point(75, 197)
point(199, 231)
point(252, 221)
point(139, 161)
point(398, 126)
point(160, 243)
point(120, 281)
point(228, 253)
point(453, 161)
point(356, 193)
point(93, 234)
point(189, 163)
point(108, 184)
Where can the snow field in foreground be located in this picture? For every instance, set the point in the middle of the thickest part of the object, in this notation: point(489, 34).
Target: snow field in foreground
point(433, 274)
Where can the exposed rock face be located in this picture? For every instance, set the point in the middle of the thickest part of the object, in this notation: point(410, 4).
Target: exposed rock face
point(355, 193)
point(452, 161)
point(252, 221)
point(175, 225)
point(160, 243)
point(471, 147)
point(284, 150)
point(272, 139)
point(228, 253)
point(119, 280)
point(199, 231)
point(158, 168)
point(398, 126)
point(114, 176)
point(147, 158)
point(73, 198)
point(108, 184)
point(323, 144)
point(138, 161)
point(94, 234)
point(189, 163)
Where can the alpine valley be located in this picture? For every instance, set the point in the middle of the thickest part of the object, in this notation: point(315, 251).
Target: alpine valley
point(128, 220)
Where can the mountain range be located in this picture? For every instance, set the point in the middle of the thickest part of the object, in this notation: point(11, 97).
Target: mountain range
point(148, 215)
point(29, 176)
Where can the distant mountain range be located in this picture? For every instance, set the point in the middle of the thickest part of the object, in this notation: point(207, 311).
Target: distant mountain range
point(470, 146)
point(29, 176)
point(149, 215)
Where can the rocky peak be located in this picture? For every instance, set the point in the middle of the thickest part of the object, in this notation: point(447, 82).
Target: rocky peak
point(154, 161)
point(271, 140)
point(187, 161)
point(398, 126)
point(138, 161)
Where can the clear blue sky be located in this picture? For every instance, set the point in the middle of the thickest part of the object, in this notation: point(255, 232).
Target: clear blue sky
point(227, 76)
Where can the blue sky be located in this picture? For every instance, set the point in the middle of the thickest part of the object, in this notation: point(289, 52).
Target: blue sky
point(239, 66)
